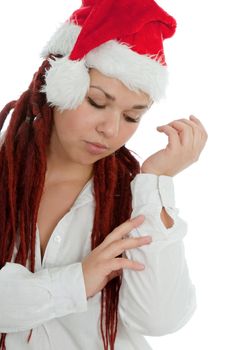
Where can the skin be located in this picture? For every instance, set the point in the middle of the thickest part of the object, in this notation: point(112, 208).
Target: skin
point(68, 158)
point(69, 161)
point(186, 140)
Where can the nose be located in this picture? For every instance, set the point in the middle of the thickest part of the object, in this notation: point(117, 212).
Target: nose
point(109, 125)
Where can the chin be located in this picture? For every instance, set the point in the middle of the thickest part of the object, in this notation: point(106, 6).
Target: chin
point(85, 159)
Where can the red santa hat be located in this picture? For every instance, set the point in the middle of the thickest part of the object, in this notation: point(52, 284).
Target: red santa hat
point(123, 39)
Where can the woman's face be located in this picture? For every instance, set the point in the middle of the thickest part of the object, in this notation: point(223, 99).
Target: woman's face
point(111, 124)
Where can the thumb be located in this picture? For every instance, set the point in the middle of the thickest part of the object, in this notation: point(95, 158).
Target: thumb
point(160, 128)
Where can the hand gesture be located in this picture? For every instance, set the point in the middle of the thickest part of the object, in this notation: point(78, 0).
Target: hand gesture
point(186, 140)
point(102, 264)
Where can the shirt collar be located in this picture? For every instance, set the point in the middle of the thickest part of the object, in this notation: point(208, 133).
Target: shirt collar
point(85, 196)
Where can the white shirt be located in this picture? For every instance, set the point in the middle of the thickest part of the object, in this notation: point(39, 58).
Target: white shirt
point(52, 301)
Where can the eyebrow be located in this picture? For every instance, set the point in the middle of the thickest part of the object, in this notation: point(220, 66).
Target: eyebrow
point(112, 98)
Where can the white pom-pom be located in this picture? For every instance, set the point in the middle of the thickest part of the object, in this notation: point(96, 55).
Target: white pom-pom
point(67, 83)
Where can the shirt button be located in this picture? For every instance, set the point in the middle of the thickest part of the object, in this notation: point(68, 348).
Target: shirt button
point(57, 239)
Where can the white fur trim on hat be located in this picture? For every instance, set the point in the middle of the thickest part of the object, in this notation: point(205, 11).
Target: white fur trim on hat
point(67, 81)
point(136, 71)
point(62, 41)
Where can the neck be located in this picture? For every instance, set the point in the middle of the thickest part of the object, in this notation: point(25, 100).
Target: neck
point(60, 169)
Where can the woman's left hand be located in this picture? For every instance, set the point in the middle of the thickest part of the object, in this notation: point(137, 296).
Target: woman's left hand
point(186, 138)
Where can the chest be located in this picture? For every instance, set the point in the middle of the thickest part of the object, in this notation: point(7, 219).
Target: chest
point(56, 201)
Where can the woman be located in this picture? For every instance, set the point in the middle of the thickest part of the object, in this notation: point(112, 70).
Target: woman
point(79, 216)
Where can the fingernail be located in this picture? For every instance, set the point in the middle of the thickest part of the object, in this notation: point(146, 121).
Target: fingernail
point(141, 266)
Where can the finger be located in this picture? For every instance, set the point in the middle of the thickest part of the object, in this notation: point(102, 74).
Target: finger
point(185, 131)
point(199, 137)
point(198, 122)
point(194, 125)
point(194, 141)
point(122, 263)
point(189, 122)
point(116, 248)
point(123, 230)
point(173, 137)
point(196, 131)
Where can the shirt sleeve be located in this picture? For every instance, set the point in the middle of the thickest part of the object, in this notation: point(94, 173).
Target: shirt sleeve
point(30, 299)
point(161, 298)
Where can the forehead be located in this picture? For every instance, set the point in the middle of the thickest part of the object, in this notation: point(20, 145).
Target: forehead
point(116, 89)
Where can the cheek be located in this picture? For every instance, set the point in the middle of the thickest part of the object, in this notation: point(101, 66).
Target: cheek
point(70, 126)
point(128, 132)
point(66, 128)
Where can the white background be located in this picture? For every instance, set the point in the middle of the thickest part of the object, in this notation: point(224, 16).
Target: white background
point(200, 60)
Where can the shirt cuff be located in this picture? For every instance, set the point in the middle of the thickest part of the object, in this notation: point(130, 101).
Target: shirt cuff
point(150, 193)
point(151, 188)
point(68, 289)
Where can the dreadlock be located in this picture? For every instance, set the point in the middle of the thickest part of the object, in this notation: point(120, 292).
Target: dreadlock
point(23, 169)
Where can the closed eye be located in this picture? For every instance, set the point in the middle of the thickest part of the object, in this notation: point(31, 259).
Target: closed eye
point(94, 104)
point(131, 120)
point(127, 118)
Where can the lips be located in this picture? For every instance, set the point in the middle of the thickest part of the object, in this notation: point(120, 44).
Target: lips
point(95, 148)
point(98, 145)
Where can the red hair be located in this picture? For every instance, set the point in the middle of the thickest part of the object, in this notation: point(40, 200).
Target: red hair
point(23, 169)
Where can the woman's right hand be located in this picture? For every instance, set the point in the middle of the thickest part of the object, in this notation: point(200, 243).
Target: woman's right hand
point(101, 264)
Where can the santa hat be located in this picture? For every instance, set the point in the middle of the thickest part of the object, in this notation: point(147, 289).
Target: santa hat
point(122, 39)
